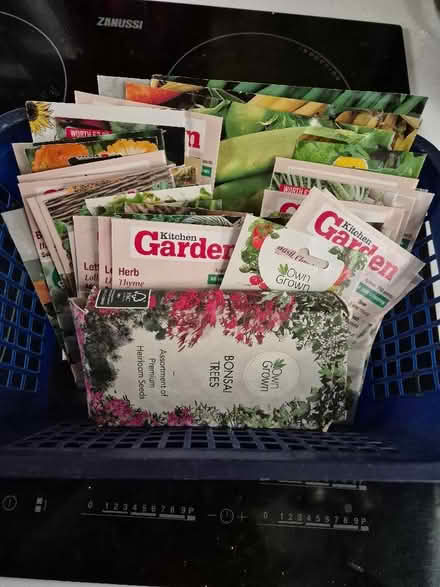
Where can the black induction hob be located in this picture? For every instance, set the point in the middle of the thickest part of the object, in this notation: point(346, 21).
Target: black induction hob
point(48, 48)
point(243, 534)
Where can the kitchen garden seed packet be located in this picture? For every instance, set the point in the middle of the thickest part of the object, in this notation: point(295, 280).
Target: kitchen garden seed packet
point(218, 358)
point(86, 245)
point(391, 220)
point(390, 268)
point(164, 255)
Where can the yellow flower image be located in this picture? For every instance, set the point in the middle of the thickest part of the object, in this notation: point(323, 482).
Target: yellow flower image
point(352, 162)
point(40, 116)
point(130, 147)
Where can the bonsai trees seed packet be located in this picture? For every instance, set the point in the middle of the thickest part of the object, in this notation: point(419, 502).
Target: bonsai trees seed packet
point(163, 255)
point(202, 139)
point(218, 358)
point(86, 244)
point(268, 256)
point(388, 220)
point(52, 121)
point(390, 268)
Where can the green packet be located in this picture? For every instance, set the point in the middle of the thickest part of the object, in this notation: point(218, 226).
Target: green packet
point(243, 112)
point(395, 103)
point(213, 357)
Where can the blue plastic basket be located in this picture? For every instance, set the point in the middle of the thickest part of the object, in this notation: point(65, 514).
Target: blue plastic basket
point(395, 437)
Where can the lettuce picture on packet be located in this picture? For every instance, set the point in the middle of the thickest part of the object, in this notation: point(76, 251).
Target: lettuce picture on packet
point(210, 357)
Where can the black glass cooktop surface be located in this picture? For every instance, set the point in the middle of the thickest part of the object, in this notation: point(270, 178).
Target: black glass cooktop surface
point(222, 533)
point(49, 48)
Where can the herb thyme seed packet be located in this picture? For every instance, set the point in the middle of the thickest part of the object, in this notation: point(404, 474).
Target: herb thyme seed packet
point(211, 357)
point(162, 255)
point(268, 256)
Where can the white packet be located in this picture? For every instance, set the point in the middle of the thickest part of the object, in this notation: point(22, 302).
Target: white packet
point(293, 175)
point(203, 132)
point(390, 269)
point(388, 220)
point(422, 201)
point(166, 255)
point(269, 256)
point(105, 251)
point(86, 244)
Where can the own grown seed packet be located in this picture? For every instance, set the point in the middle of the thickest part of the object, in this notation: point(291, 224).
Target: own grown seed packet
point(236, 107)
point(51, 121)
point(390, 268)
point(218, 358)
point(268, 256)
point(163, 255)
point(202, 139)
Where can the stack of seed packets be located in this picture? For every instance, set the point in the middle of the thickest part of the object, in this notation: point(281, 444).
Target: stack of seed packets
point(269, 226)
point(87, 151)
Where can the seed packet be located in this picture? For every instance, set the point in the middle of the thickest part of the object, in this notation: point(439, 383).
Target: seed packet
point(21, 234)
point(244, 108)
point(155, 254)
point(390, 269)
point(217, 358)
point(269, 257)
point(104, 251)
point(422, 200)
point(381, 101)
point(299, 177)
point(22, 161)
point(72, 245)
point(86, 243)
point(203, 134)
point(63, 324)
point(67, 153)
point(96, 169)
point(116, 204)
point(51, 121)
point(58, 208)
point(109, 85)
point(389, 220)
